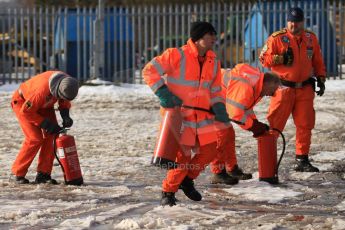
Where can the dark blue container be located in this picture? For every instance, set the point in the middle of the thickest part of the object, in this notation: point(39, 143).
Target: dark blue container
point(118, 43)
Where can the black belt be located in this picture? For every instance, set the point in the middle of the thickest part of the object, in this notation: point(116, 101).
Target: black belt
point(297, 85)
point(21, 94)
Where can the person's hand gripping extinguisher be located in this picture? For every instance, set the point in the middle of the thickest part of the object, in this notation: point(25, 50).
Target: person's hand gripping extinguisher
point(65, 151)
point(167, 98)
point(167, 144)
point(67, 121)
point(267, 150)
point(258, 128)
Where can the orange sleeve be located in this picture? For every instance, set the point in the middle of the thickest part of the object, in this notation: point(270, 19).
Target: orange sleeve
point(267, 53)
point(239, 103)
point(318, 64)
point(158, 67)
point(31, 106)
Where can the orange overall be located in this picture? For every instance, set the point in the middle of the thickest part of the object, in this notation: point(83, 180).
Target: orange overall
point(243, 85)
point(226, 157)
point(32, 103)
point(179, 70)
point(297, 101)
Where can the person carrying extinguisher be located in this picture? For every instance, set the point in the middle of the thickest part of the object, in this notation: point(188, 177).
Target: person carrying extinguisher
point(224, 167)
point(33, 104)
point(295, 55)
point(190, 76)
point(246, 87)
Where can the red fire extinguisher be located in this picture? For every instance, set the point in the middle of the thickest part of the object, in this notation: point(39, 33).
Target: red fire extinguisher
point(167, 144)
point(267, 156)
point(67, 156)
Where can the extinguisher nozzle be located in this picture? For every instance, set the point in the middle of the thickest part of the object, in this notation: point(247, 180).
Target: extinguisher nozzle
point(163, 163)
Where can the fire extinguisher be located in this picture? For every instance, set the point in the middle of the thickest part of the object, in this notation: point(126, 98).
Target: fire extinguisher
point(167, 144)
point(65, 151)
point(267, 156)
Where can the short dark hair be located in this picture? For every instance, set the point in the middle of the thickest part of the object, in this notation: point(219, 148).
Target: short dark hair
point(199, 29)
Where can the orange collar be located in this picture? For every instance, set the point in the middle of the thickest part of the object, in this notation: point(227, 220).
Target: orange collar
point(195, 52)
point(298, 38)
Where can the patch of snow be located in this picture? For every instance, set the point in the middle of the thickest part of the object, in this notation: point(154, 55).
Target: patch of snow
point(329, 156)
point(262, 191)
point(341, 206)
point(9, 87)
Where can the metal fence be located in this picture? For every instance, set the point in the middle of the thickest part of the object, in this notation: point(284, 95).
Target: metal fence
point(39, 39)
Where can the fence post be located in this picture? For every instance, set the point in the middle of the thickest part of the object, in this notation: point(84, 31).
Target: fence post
point(98, 54)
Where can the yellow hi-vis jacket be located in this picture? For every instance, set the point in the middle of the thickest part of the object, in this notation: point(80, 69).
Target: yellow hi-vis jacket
point(179, 70)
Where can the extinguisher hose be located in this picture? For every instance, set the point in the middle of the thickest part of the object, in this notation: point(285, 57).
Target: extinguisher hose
point(56, 156)
point(283, 151)
point(210, 111)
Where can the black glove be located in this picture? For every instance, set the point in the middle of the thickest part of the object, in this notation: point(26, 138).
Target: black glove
point(258, 128)
point(66, 119)
point(321, 84)
point(312, 82)
point(288, 57)
point(50, 127)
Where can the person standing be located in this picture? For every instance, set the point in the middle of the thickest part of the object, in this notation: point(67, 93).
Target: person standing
point(33, 104)
point(295, 55)
point(190, 76)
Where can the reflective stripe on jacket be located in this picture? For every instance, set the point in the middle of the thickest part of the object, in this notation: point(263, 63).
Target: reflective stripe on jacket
point(179, 69)
point(244, 85)
point(307, 57)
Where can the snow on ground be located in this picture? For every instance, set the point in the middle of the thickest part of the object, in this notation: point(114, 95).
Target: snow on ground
point(115, 130)
point(261, 191)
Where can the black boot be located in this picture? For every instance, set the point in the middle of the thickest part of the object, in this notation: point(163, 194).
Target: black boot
point(42, 178)
point(271, 180)
point(168, 198)
point(189, 190)
point(238, 173)
point(303, 164)
point(223, 178)
point(21, 180)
